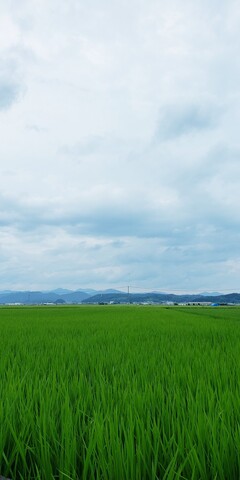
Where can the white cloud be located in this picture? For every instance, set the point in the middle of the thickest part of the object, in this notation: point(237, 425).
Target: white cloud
point(9, 32)
point(119, 121)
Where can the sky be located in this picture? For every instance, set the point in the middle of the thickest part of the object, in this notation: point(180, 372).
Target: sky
point(120, 144)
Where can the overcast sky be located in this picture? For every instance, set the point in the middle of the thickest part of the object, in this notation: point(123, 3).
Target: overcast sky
point(120, 144)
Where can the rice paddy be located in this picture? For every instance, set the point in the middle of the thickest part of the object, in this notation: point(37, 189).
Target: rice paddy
point(119, 393)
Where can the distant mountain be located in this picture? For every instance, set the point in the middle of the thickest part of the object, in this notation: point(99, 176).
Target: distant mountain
point(61, 291)
point(161, 298)
point(92, 292)
point(75, 297)
point(59, 296)
point(81, 295)
point(31, 298)
point(28, 298)
point(108, 291)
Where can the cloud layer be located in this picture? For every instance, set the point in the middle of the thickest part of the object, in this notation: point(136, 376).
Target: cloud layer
point(120, 151)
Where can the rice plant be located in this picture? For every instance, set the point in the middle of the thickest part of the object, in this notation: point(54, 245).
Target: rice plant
point(119, 393)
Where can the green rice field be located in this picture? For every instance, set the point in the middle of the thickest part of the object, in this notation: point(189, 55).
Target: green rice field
point(120, 393)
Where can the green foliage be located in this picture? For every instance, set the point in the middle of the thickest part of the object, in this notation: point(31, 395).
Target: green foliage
point(119, 393)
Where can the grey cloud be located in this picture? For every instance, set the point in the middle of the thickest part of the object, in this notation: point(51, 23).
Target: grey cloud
point(104, 218)
point(9, 94)
point(176, 121)
point(11, 85)
point(167, 256)
point(203, 224)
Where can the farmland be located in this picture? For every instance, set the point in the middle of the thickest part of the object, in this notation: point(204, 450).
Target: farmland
point(119, 393)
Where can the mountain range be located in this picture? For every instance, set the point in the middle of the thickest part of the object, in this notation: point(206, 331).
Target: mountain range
point(59, 295)
point(91, 296)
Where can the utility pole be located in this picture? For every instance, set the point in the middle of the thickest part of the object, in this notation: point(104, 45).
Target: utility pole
point(128, 294)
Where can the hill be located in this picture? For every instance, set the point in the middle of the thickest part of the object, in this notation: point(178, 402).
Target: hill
point(162, 298)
